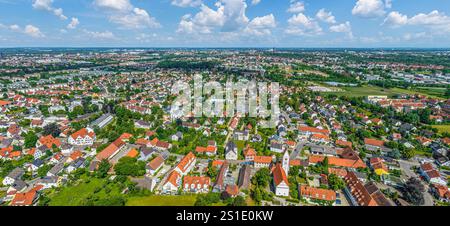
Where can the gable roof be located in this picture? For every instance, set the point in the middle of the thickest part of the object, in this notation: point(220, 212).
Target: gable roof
point(279, 175)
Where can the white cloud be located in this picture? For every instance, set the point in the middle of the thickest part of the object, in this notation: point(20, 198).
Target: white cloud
point(343, 28)
point(226, 22)
point(186, 3)
point(119, 5)
point(302, 25)
point(15, 28)
point(388, 4)
point(137, 19)
point(255, 2)
point(123, 13)
point(260, 26)
point(29, 30)
point(33, 31)
point(100, 35)
point(432, 18)
point(325, 16)
point(369, 8)
point(48, 6)
point(395, 19)
point(437, 21)
point(228, 17)
point(73, 23)
point(296, 7)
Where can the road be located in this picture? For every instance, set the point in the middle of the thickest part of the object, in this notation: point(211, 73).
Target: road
point(406, 168)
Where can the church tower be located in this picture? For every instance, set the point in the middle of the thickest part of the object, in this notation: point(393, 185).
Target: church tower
point(286, 162)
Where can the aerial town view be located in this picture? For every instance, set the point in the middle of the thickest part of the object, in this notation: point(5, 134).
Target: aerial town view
point(224, 103)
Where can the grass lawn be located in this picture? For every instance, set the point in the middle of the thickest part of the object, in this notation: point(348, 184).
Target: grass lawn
point(442, 128)
point(378, 91)
point(240, 144)
point(160, 200)
point(75, 195)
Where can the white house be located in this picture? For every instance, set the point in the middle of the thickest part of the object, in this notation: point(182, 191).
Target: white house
point(172, 183)
point(82, 137)
point(13, 176)
point(280, 181)
point(231, 152)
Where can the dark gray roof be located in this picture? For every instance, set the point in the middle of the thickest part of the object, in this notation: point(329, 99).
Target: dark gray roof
point(16, 173)
point(38, 162)
point(19, 185)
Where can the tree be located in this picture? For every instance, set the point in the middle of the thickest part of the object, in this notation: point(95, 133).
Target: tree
point(103, 168)
point(128, 166)
point(30, 139)
point(51, 129)
point(413, 191)
point(239, 201)
point(42, 172)
point(335, 182)
point(395, 154)
point(261, 178)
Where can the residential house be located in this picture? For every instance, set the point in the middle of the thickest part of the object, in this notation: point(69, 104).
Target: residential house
point(431, 175)
point(280, 181)
point(85, 136)
point(231, 151)
point(311, 193)
point(186, 164)
point(153, 166)
point(262, 161)
point(173, 182)
point(196, 184)
point(14, 175)
point(373, 144)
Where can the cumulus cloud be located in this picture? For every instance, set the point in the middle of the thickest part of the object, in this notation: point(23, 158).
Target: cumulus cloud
point(369, 8)
point(100, 35)
point(325, 16)
point(73, 23)
point(300, 24)
point(29, 30)
point(228, 17)
point(119, 5)
point(226, 22)
point(186, 3)
point(296, 7)
point(48, 6)
point(33, 31)
point(343, 28)
point(260, 26)
point(123, 13)
point(435, 20)
point(255, 2)
point(395, 19)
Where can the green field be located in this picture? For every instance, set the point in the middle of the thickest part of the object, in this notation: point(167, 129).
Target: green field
point(442, 128)
point(76, 195)
point(160, 200)
point(378, 91)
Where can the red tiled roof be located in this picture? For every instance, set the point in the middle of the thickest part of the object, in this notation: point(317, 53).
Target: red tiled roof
point(279, 175)
point(317, 193)
point(374, 142)
point(335, 161)
point(49, 141)
point(156, 163)
point(184, 163)
point(82, 133)
point(263, 159)
point(313, 130)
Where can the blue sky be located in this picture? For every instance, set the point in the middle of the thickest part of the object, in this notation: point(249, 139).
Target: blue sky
point(225, 23)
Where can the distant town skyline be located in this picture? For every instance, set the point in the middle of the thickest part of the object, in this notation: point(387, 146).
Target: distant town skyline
point(225, 23)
